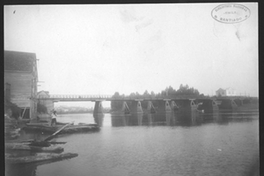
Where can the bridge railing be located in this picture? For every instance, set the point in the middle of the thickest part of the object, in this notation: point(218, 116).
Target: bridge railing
point(60, 96)
point(69, 96)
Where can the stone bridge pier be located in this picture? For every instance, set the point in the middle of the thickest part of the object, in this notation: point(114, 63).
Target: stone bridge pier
point(208, 106)
point(227, 104)
point(150, 108)
point(165, 106)
point(187, 109)
point(239, 102)
point(164, 109)
point(135, 106)
point(186, 105)
point(98, 113)
point(98, 108)
point(125, 109)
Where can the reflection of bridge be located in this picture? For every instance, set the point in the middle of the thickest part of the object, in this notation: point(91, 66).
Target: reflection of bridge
point(152, 104)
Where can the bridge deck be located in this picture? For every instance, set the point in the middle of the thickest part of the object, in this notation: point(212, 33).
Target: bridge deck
point(110, 98)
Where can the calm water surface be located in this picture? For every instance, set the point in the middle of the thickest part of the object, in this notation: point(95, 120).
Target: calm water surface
point(156, 145)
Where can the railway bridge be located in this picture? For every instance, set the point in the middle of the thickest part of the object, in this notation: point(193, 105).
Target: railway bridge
point(153, 104)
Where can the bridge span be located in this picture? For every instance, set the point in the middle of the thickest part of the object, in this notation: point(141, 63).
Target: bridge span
point(58, 97)
point(153, 104)
point(68, 97)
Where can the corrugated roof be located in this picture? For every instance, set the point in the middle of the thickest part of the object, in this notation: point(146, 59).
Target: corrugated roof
point(19, 61)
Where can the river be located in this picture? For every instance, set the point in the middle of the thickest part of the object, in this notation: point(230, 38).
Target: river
point(156, 145)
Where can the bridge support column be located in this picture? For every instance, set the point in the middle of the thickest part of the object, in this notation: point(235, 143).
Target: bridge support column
point(238, 102)
point(98, 108)
point(174, 106)
point(242, 103)
point(233, 104)
point(151, 108)
point(215, 106)
point(207, 106)
point(98, 113)
point(167, 106)
point(136, 107)
point(125, 108)
point(194, 111)
point(193, 105)
point(227, 105)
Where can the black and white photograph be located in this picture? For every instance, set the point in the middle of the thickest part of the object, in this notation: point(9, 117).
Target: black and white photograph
point(140, 89)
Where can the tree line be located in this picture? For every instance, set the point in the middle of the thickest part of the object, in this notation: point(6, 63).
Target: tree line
point(168, 92)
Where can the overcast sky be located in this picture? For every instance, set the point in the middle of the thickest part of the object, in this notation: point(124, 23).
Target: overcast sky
point(101, 49)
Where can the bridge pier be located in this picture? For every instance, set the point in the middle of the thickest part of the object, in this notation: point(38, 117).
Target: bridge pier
point(187, 110)
point(125, 109)
point(227, 105)
point(167, 106)
point(239, 102)
point(242, 102)
point(163, 105)
point(98, 107)
point(136, 107)
point(98, 113)
point(215, 106)
point(186, 105)
point(151, 108)
point(208, 106)
point(174, 106)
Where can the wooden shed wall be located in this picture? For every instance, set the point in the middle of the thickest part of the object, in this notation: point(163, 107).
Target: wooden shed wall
point(21, 87)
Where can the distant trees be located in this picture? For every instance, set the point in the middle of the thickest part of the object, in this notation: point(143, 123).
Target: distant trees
point(185, 90)
point(168, 92)
point(182, 91)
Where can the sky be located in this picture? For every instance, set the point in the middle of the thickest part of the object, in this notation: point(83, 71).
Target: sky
point(103, 49)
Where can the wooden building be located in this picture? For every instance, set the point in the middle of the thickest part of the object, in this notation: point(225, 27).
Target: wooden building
point(20, 79)
point(226, 92)
point(220, 92)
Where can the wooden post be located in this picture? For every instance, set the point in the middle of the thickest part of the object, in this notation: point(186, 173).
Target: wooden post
point(24, 112)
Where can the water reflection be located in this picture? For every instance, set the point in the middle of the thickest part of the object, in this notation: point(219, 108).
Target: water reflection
point(175, 118)
point(174, 151)
point(150, 119)
point(168, 118)
point(139, 118)
point(99, 118)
